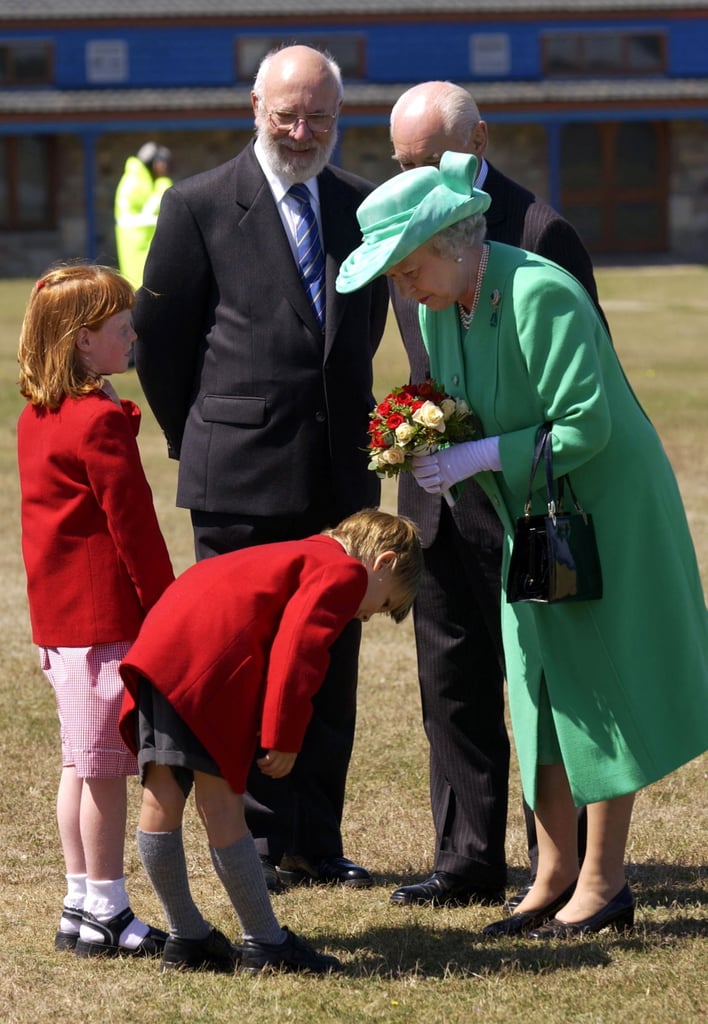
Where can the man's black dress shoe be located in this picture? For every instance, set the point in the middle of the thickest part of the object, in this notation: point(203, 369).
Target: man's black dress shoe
point(271, 877)
point(445, 888)
point(517, 924)
point(328, 871)
point(617, 914)
point(519, 897)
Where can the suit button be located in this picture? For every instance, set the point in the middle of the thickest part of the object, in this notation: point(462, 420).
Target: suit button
point(456, 380)
point(320, 416)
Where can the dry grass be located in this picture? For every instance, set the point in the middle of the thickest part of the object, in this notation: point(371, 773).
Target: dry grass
point(410, 966)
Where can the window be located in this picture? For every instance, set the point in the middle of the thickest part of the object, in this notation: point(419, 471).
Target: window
point(26, 177)
point(348, 49)
point(26, 62)
point(107, 61)
point(603, 52)
point(613, 184)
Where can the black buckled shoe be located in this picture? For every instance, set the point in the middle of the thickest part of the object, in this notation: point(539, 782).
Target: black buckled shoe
point(444, 888)
point(520, 923)
point(152, 944)
point(65, 941)
point(618, 913)
point(294, 954)
point(295, 870)
point(214, 953)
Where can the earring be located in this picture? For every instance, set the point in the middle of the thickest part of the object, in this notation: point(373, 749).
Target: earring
point(458, 259)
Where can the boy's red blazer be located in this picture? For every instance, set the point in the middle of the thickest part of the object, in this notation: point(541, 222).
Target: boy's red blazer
point(239, 644)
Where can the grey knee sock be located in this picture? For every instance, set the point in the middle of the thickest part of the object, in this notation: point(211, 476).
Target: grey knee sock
point(239, 869)
point(162, 855)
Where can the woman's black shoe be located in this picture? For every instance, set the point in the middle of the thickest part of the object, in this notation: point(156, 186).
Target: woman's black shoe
point(522, 922)
point(512, 903)
point(617, 914)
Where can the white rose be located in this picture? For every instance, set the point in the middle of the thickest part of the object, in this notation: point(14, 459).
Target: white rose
point(461, 407)
point(404, 433)
point(393, 456)
point(448, 406)
point(430, 415)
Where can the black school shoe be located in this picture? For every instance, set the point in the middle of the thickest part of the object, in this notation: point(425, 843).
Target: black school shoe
point(294, 954)
point(214, 953)
point(152, 944)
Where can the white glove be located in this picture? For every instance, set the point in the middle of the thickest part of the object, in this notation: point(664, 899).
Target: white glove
point(438, 472)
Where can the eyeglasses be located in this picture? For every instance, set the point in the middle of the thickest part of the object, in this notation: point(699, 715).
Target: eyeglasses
point(288, 120)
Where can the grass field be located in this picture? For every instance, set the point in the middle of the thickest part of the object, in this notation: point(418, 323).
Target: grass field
point(402, 966)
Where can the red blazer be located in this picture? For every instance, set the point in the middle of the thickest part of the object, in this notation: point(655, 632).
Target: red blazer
point(94, 555)
point(240, 643)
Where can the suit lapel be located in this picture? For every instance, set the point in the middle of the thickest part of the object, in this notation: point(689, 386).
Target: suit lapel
point(341, 236)
point(260, 222)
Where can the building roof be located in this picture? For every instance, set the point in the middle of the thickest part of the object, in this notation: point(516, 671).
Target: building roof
point(101, 10)
point(89, 104)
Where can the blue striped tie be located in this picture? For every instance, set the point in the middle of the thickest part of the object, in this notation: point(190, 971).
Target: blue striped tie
point(310, 257)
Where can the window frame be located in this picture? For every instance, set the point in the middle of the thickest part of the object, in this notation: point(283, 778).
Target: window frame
point(260, 44)
point(13, 48)
point(583, 67)
point(11, 218)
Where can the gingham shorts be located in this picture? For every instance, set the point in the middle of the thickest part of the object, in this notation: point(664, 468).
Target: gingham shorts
point(89, 692)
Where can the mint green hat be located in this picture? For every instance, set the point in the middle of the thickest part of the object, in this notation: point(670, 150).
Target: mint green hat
point(406, 211)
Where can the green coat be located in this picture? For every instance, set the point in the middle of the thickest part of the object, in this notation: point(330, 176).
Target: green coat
point(136, 206)
point(626, 676)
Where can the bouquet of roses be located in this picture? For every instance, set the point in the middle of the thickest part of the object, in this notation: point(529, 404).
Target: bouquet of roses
point(416, 419)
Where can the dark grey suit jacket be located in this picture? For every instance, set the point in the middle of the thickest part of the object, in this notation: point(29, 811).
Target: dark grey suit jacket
point(517, 218)
point(264, 413)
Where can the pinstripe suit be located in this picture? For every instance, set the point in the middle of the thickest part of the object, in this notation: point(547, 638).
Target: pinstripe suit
point(456, 616)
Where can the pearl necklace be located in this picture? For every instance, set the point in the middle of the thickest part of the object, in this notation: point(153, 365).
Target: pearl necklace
point(465, 317)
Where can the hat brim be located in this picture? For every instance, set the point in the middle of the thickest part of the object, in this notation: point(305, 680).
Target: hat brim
point(406, 211)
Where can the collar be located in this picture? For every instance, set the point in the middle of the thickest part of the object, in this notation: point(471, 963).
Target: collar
point(482, 176)
point(279, 187)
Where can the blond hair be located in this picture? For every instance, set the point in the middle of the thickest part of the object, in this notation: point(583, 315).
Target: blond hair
point(367, 534)
point(66, 298)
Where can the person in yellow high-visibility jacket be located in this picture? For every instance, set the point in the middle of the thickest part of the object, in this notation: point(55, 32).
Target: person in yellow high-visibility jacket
point(137, 203)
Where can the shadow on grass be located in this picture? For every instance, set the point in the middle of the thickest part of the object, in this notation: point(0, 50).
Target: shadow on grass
point(668, 894)
point(422, 952)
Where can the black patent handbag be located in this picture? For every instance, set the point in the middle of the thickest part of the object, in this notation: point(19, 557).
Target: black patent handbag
point(554, 556)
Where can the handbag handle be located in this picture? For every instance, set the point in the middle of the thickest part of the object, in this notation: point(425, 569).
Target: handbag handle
point(544, 449)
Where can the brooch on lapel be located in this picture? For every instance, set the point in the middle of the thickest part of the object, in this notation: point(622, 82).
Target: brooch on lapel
point(496, 302)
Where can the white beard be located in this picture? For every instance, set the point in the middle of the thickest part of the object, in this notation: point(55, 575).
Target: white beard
point(277, 153)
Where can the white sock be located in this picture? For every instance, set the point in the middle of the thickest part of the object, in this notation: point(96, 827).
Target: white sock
point(74, 900)
point(75, 892)
point(106, 899)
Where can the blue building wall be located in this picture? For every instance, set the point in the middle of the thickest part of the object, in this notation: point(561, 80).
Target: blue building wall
point(395, 52)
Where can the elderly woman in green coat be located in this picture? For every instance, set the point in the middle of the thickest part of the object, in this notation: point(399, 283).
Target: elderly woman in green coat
point(606, 696)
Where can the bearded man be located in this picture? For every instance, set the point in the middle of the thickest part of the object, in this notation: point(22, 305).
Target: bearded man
point(260, 375)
